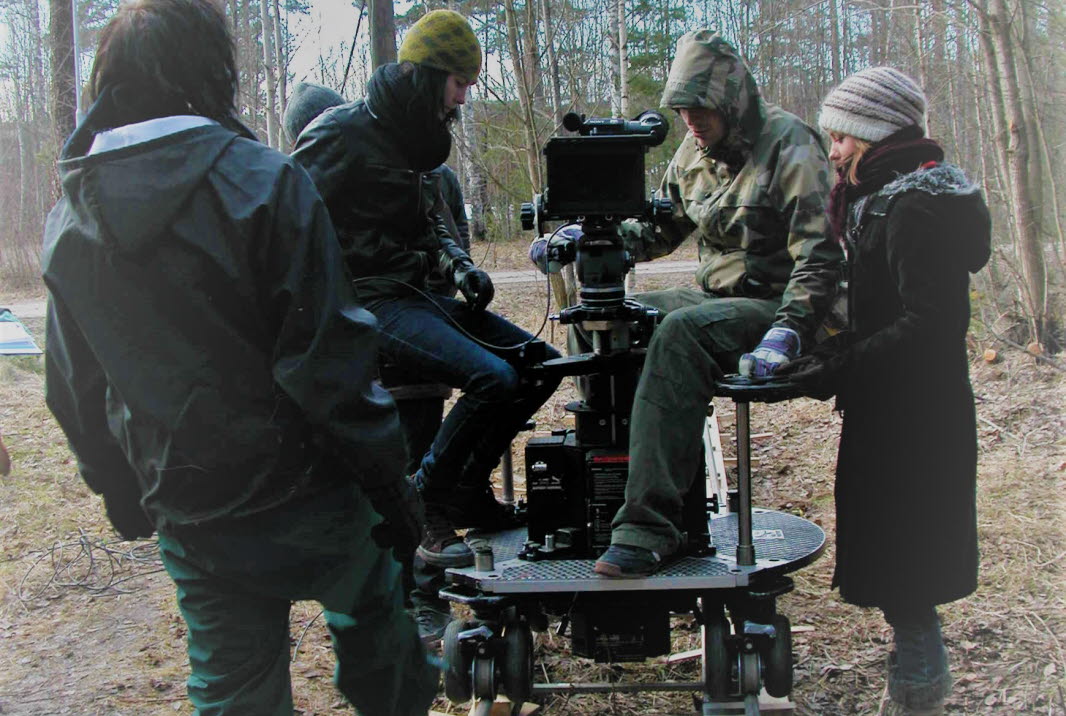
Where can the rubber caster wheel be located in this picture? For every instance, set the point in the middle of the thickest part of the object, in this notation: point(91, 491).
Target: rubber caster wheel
point(718, 666)
point(777, 663)
point(750, 679)
point(458, 677)
point(517, 662)
point(485, 684)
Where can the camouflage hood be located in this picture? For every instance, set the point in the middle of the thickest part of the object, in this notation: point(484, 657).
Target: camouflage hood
point(708, 72)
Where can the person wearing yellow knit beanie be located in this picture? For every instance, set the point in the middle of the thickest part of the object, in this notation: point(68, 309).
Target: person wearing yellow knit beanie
point(373, 162)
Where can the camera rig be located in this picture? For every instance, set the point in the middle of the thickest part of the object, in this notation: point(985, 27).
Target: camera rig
point(576, 478)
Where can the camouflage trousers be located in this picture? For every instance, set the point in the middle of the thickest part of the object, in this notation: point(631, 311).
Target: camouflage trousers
point(701, 339)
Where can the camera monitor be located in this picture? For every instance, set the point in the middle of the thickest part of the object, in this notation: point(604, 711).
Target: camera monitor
point(595, 176)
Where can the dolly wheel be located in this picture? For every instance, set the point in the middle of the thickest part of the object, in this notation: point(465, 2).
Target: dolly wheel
point(716, 653)
point(749, 673)
point(777, 662)
point(517, 662)
point(458, 677)
point(485, 685)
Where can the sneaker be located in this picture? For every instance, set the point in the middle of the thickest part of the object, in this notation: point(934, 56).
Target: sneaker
point(623, 560)
point(440, 546)
point(477, 507)
point(431, 624)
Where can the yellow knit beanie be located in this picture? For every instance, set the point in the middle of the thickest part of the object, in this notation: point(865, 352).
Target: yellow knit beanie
point(443, 39)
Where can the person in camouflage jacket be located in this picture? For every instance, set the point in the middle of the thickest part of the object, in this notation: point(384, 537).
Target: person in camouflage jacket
point(750, 183)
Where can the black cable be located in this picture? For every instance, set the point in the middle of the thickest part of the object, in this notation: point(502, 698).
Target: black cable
point(351, 53)
point(444, 312)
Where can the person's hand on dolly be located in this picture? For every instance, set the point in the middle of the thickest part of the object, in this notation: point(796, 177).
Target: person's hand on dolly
point(779, 346)
point(551, 253)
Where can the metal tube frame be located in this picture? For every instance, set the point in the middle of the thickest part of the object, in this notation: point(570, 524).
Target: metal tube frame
point(745, 545)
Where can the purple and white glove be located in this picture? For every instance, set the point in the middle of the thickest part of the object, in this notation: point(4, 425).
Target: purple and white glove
point(551, 253)
point(777, 347)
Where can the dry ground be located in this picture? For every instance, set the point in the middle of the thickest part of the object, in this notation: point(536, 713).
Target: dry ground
point(88, 625)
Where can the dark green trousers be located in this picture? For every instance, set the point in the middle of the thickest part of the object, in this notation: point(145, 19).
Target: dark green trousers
point(700, 339)
point(236, 582)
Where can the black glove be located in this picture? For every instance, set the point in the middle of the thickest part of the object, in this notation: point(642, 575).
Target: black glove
point(475, 285)
point(811, 373)
point(126, 514)
point(400, 504)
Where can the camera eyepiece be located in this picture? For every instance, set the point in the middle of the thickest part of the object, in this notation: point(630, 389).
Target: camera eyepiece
point(649, 126)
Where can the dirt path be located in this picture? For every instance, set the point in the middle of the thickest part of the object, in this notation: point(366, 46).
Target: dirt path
point(69, 649)
point(36, 308)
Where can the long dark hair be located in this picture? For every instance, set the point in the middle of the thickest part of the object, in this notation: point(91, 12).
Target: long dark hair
point(430, 82)
point(168, 57)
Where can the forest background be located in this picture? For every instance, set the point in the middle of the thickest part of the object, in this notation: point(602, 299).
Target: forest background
point(992, 70)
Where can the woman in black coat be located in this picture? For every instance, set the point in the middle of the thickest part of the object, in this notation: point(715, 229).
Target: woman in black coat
point(913, 230)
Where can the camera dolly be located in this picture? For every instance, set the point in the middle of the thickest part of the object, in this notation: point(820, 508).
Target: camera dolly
point(730, 586)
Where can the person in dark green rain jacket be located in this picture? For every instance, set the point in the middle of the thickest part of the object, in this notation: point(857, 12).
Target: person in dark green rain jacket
point(214, 378)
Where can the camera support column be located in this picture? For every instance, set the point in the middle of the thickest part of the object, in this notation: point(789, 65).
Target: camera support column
point(745, 545)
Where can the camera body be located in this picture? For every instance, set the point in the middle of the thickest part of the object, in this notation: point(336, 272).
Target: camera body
point(575, 478)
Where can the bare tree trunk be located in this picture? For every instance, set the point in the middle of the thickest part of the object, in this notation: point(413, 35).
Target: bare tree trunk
point(834, 21)
point(553, 64)
point(613, 37)
point(281, 53)
point(382, 33)
point(623, 61)
point(61, 40)
point(524, 96)
point(1027, 219)
point(268, 70)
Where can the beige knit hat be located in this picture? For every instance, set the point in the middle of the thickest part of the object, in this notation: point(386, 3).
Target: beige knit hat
point(443, 39)
point(874, 104)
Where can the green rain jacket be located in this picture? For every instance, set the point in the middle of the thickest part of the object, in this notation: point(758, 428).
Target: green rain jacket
point(755, 201)
point(203, 347)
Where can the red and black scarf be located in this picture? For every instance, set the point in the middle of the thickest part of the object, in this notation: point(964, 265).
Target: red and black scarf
point(898, 154)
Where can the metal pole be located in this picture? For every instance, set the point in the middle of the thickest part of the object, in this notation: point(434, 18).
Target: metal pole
point(507, 475)
point(745, 547)
point(615, 688)
point(78, 114)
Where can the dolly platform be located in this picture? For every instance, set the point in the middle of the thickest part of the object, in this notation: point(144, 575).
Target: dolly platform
point(514, 587)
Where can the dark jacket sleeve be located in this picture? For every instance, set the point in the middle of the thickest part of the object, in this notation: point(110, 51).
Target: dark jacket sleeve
point(453, 198)
point(325, 354)
point(324, 152)
point(800, 191)
point(76, 393)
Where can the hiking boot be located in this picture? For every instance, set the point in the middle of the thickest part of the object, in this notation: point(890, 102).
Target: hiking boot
point(477, 507)
point(625, 561)
point(440, 546)
point(431, 623)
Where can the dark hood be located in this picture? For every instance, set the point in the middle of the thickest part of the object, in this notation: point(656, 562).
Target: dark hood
point(708, 72)
point(132, 195)
point(964, 204)
point(412, 115)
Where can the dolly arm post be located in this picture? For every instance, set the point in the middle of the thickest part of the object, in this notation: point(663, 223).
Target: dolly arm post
point(745, 546)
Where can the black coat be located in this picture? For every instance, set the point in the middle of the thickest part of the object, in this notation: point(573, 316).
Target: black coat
point(372, 161)
point(906, 471)
point(203, 344)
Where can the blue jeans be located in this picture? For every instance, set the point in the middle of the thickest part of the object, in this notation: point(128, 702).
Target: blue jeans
point(919, 676)
point(495, 402)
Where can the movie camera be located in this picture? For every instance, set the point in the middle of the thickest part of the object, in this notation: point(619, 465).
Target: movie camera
point(576, 479)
